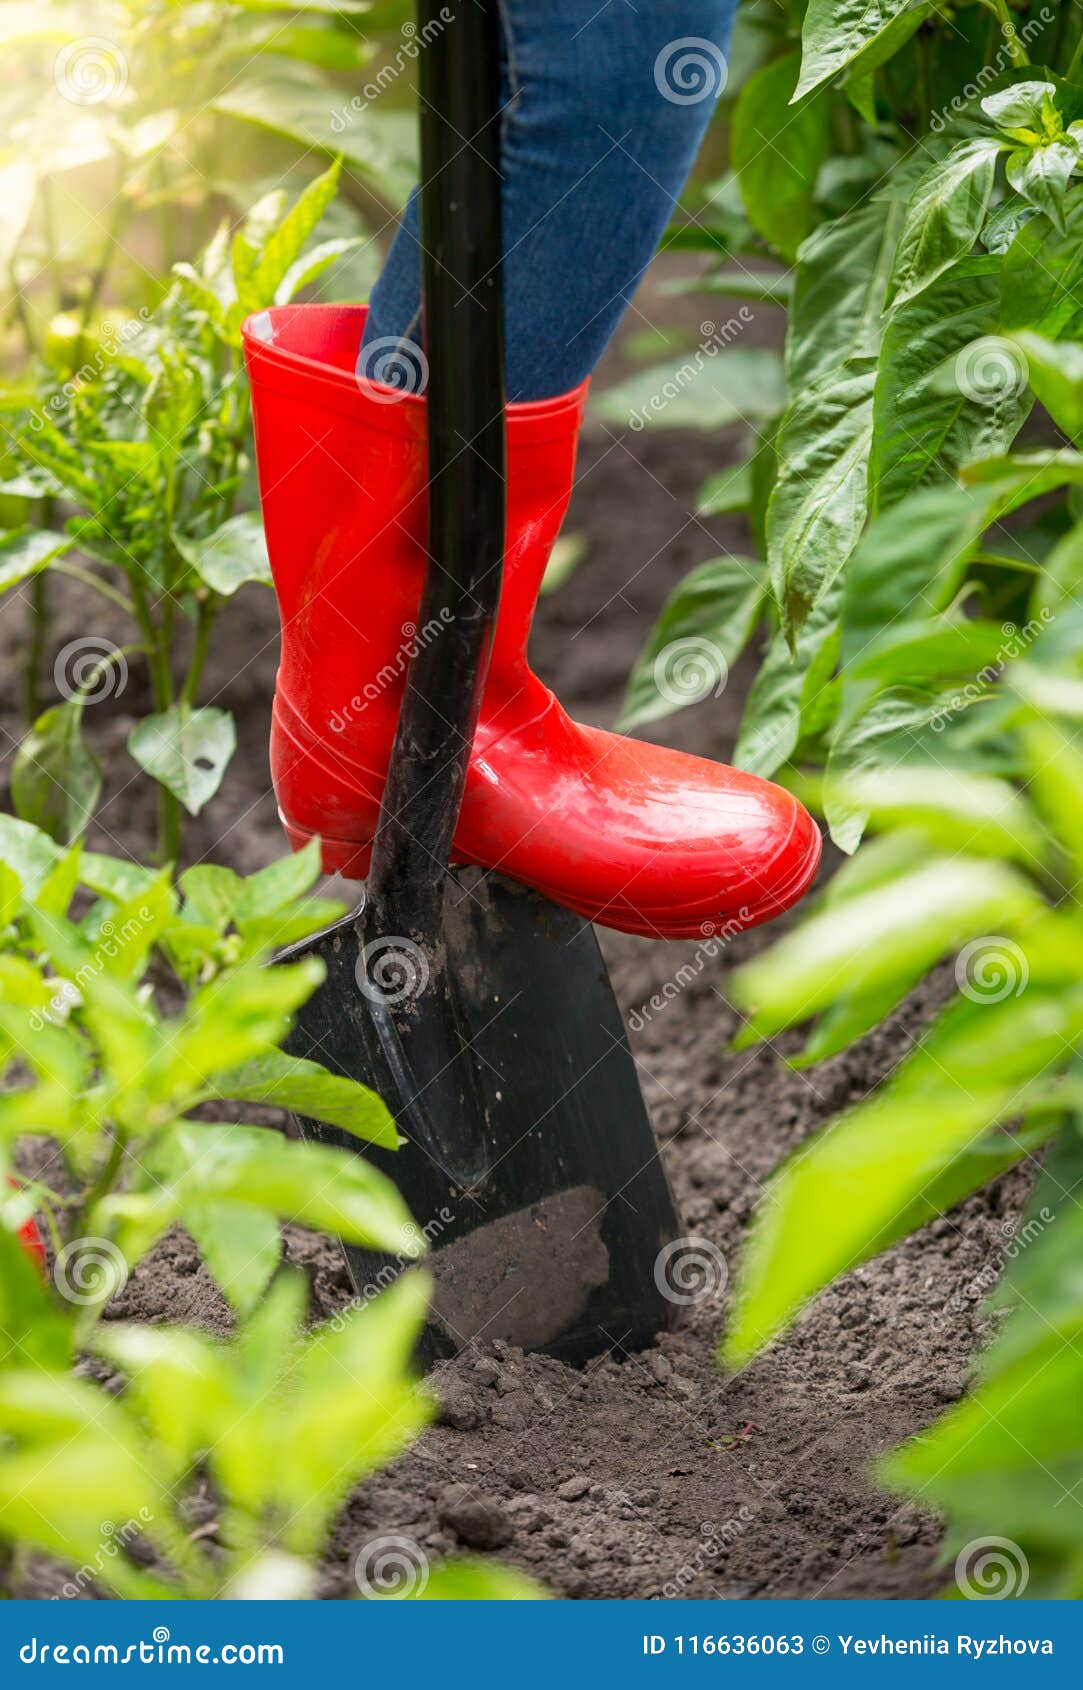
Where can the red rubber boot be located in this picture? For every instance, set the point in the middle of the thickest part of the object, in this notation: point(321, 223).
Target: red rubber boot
point(632, 836)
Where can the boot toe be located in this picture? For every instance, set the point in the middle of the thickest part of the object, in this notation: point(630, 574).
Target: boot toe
point(637, 837)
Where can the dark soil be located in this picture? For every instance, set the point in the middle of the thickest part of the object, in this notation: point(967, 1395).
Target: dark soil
point(644, 1475)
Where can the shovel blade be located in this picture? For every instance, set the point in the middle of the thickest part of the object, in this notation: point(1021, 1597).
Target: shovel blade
point(552, 1241)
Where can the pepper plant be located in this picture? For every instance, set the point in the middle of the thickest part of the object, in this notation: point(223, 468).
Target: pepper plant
point(134, 1015)
point(149, 449)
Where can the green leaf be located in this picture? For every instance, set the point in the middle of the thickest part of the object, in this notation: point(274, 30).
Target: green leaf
point(186, 750)
point(817, 509)
point(1042, 174)
point(777, 151)
point(944, 217)
point(1023, 106)
point(977, 814)
point(913, 919)
point(313, 1185)
point(312, 265)
point(898, 727)
point(860, 33)
point(26, 550)
point(275, 887)
point(379, 142)
point(947, 390)
point(234, 554)
point(709, 388)
point(307, 1088)
point(1042, 275)
point(729, 490)
point(785, 687)
point(29, 852)
point(1055, 373)
point(283, 247)
point(838, 301)
point(911, 558)
point(241, 1246)
point(56, 780)
point(704, 626)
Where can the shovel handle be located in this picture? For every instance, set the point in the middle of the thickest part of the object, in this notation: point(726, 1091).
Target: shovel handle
point(459, 87)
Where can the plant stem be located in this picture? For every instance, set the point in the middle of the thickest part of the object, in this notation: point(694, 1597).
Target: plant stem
point(1016, 51)
point(206, 612)
point(157, 644)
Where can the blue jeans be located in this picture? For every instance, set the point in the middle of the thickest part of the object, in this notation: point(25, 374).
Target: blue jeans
point(605, 105)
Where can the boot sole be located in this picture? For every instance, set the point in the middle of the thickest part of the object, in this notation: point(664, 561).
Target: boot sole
point(351, 858)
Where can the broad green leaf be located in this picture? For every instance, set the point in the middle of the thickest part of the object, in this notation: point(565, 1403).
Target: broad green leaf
point(916, 917)
point(56, 780)
point(817, 509)
point(857, 33)
point(241, 1246)
point(1061, 582)
point(911, 559)
point(1041, 175)
point(729, 490)
point(712, 386)
point(1055, 373)
point(29, 852)
point(839, 292)
point(977, 814)
point(704, 626)
point(785, 686)
point(899, 726)
point(1025, 109)
point(1042, 276)
point(27, 550)
point(944, 216)
point(234, 554)
point(313, 1185)
point(186, 750)
point(239, 1015)
point(275, 887)
point(379, 142)
point(947, 392)
point(777, 151)
point(307, 1088)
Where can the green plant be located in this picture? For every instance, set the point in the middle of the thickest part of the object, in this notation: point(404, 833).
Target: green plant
point(148, 446)
point(921, 179)
point(990, 870)
point(918, 586)
point(120, 1064)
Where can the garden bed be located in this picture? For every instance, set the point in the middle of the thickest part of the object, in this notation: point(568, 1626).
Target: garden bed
point(647, 1475)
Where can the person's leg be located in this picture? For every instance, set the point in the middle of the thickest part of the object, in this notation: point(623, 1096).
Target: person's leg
point(604, 116)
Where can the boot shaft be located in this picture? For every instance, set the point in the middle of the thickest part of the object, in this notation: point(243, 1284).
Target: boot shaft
point(343, 486)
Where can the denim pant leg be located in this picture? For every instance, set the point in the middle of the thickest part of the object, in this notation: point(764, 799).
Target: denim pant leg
point(606, 108)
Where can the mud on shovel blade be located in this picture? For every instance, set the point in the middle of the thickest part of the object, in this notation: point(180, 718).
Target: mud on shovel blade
point(481, 1012)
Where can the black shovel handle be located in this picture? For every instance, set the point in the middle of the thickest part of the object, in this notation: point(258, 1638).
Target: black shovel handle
point(459, 86)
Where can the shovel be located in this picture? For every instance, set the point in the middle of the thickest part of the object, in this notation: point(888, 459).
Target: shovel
point(481, 1012)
